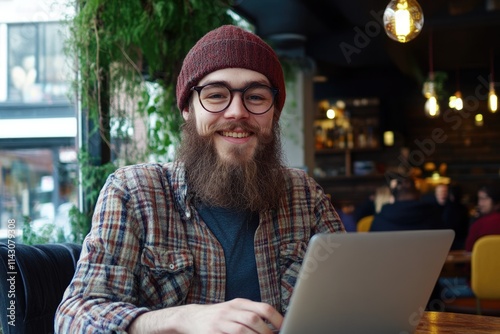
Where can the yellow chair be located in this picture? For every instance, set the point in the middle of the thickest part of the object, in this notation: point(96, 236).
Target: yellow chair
point(485, 269)
point(364, 224)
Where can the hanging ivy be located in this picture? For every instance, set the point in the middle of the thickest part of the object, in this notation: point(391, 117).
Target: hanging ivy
point(128, 55)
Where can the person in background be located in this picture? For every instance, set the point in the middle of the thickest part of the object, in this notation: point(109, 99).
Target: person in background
point(441, 193)
point(212, 242)
point(456, 215)
point(365, 208)
point(383, 195)
point(407, 212)
point(345, 212)
point(488, 207)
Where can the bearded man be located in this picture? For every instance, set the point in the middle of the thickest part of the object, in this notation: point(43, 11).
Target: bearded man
point(212, 242)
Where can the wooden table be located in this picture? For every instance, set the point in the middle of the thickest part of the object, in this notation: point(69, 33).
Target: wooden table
point(457, 323)
point(457, 264)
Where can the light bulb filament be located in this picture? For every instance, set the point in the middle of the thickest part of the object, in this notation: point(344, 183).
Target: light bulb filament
point(402, 20)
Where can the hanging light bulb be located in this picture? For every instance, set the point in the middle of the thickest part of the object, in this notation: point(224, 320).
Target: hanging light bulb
point(455, 101)
point(459, 103)
point(432, 106)
point(492, 98)
point(330, 113)
point(403, 20)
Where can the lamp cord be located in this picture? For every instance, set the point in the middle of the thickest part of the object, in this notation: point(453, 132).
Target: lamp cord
point(491, 66)
point(431, 65)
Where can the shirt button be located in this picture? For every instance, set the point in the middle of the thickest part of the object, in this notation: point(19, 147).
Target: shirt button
point(171, 266)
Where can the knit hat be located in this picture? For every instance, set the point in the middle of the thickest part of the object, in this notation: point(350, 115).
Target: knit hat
point(229, 47)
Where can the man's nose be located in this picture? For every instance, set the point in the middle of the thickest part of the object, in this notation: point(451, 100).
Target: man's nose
point(236, 109)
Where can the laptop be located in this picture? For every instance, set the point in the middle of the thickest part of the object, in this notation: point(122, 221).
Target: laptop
point(375, 282)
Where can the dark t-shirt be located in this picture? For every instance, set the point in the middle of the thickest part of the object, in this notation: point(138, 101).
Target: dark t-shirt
point(235, 231)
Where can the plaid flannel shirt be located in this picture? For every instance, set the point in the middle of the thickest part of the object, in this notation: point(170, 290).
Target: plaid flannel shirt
point(149, 249)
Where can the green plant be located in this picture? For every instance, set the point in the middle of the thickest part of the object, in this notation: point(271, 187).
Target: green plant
point(128, 55)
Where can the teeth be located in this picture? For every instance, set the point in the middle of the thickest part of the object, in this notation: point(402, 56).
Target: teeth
point(235, 134)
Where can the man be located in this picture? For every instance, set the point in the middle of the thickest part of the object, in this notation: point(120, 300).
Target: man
point(213, 242)
point(407, 211)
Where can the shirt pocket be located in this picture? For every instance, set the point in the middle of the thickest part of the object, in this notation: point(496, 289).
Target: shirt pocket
point(167, 275)
point(290, 261)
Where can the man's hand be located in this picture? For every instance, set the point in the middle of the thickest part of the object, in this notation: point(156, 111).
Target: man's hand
point(236, 316)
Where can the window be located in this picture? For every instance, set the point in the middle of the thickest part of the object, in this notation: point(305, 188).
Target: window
point(37, 67)
point(39, 184)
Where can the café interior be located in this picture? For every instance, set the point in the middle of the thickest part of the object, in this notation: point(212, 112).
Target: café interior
point(383, 87)
point(374, 92)
point(382, 100)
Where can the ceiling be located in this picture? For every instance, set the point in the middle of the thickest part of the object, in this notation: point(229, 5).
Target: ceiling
point(344, 40)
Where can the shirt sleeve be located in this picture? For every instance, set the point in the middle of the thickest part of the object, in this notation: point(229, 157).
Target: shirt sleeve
point(102, 296)
point(327, 218)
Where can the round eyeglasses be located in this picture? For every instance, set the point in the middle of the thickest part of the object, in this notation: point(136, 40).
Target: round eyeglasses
point(216, 97)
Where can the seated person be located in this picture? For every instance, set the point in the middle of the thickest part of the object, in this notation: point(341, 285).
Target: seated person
point(407, 212)
point(488, 207)
point(456, 216)
point(383, 195)
point(212, 242)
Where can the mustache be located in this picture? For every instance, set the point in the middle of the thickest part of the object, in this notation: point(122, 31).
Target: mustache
point(232, 125)
point(262, 136)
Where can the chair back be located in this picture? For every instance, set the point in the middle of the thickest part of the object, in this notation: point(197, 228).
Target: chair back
point(33, 280)
point(364, 224)
point(485, 267)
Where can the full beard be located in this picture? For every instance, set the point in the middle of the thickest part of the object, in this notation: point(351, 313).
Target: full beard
point(254, 184)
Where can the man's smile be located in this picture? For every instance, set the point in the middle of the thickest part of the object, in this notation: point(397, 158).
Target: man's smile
point(234, 134)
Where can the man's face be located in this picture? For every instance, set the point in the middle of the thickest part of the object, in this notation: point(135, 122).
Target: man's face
point(233, 158)
point(235, 131)
point(441, 193)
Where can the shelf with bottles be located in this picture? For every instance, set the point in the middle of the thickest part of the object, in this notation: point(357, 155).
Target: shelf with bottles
point(342, 125)
point(346, 138)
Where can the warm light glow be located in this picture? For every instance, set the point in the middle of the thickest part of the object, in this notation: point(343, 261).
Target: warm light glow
point(388, 138)
point(479, 119)
point(432, 107)
point(330, 113)
point(456, 101)
point(492, 98)
point(403, 20)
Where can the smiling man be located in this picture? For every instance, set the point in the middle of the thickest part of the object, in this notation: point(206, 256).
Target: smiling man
point(213, 242)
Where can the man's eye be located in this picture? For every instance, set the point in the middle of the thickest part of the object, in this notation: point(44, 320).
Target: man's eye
point(216, 96)
point(255, 97)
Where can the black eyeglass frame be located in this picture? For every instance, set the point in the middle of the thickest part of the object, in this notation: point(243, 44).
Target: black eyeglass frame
point(273, 90)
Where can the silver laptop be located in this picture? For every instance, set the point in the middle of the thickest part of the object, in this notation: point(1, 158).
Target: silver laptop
point(375, 282)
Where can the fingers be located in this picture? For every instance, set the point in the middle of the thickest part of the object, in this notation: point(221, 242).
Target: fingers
point(255, 314)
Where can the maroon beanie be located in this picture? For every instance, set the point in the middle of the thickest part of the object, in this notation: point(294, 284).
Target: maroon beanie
point(229, 47)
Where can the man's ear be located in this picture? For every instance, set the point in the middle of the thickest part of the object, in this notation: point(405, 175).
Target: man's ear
point(185, 113)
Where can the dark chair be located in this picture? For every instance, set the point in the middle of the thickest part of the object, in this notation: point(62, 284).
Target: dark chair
point(32, 281)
